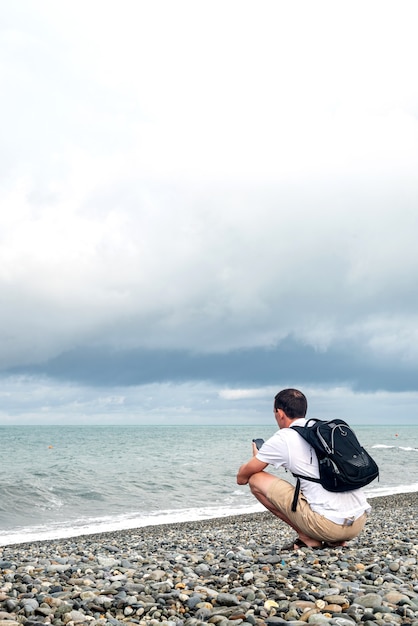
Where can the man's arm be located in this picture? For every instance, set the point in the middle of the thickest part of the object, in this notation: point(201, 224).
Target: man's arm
point(248, 469)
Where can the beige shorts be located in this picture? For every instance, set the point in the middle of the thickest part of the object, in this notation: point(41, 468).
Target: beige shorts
point(312, 524)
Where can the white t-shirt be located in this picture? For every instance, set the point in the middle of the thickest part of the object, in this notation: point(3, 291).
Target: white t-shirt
point(286, 448)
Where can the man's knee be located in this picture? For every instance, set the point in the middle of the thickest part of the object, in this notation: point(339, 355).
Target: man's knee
point(260, 482)
point(252, 483)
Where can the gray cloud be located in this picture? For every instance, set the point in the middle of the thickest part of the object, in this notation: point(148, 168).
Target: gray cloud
point(217, 281)
point(339, 366)
point(175, 211)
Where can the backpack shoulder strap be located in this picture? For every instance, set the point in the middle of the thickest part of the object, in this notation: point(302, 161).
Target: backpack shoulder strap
point(313, 421)
point(297, 488)
point(302, 430)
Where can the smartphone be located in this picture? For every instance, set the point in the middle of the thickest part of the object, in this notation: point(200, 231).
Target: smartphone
point(258, 443)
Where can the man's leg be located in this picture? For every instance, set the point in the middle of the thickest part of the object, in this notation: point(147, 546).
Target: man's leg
point(259, 484)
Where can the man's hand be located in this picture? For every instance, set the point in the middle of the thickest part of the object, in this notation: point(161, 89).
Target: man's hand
point(248, 469)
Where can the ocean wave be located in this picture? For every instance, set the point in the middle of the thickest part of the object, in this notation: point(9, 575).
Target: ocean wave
point(387, 447)
point(69, 491)
point(128, 521)
point(375, 492)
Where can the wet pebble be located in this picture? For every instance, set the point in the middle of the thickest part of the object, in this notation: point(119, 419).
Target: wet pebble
point(225, 572)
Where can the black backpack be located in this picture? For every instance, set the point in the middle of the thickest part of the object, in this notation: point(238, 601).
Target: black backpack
point(344, 465)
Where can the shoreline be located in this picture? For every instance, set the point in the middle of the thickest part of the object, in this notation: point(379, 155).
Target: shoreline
point(377, 502)
point(226, 571)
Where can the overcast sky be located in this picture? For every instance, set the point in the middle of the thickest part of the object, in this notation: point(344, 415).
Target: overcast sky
point(204, 202)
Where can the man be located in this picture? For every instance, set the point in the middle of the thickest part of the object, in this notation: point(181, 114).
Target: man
point(322, 517)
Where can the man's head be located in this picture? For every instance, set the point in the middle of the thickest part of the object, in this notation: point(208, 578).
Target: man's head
point(292, 402)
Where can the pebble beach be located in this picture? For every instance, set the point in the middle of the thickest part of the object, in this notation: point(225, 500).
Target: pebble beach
point(225, 571)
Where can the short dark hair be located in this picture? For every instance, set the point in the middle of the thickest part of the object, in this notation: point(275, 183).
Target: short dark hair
point(292, 402)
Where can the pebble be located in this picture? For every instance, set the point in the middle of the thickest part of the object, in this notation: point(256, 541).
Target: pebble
point(221, 572)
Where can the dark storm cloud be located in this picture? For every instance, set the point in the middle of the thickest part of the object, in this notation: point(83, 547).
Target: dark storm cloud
point(245, 367)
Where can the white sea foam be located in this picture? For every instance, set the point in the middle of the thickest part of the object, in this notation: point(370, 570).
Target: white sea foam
point(386, 447)
point(122, 522)
point(375, 492)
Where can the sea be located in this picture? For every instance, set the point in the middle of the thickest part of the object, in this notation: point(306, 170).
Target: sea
point(65, 481)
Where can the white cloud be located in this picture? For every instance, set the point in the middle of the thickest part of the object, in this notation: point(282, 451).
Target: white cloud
point(242, 394)
point(208, 176)
point(236, 273)
point(30, 400)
